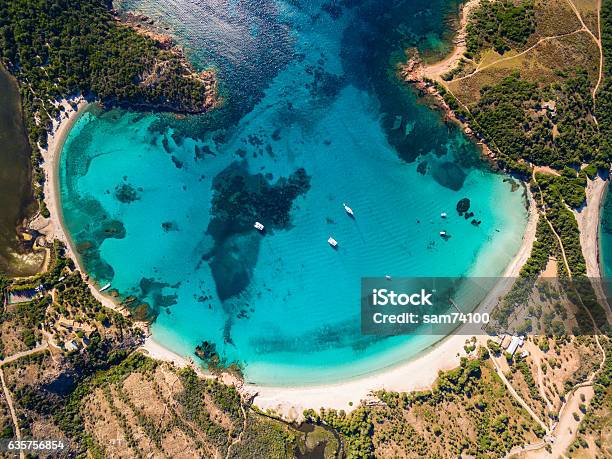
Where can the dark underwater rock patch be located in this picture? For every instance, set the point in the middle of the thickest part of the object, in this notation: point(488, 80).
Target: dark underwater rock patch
point(239, 200)
point(201, 152)
point(324, 85)
point(149, 285)
point(111, 229)
point(177, 162)
point(126, 193)
point(154, 291)
point(326, 337)
point(166, 145)
point(463, 205)
point(90, 253)
point(422, 167)
point(169, 226)
point(449, 175)
point(99, 229)
point(232, 263)
point(164, 301)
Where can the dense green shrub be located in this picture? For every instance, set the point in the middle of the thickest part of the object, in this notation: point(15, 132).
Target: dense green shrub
point(500, 25)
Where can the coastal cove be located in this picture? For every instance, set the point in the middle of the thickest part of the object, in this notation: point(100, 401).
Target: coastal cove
point(305, 229)
point(163, 208)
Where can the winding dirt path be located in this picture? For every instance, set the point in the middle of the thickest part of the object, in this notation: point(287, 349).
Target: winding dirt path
point(569, 272)
point(508, 58)
point(595, 39)
point(7, 393)
point(9, 402)
point(564, 431)
point(515, 394)
point(19, 355)
point(238, 439)
point(435, 71)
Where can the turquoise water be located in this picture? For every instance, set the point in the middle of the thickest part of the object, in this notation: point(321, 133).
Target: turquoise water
point(163, 208)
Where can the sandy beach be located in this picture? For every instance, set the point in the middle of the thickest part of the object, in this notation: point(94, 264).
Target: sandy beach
point(52, 227)
point(158, 352)
point(588, 222)
point(435, 70)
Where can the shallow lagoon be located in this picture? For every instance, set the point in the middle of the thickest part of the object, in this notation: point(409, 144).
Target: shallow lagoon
point(16, 199)
point(168, 218)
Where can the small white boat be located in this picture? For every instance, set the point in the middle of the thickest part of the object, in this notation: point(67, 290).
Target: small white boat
point(331, 241)
point(348, 210)
point(443, 233)
point(388, 277)
point(258, 226)
point(106, 287)
point(443, 215)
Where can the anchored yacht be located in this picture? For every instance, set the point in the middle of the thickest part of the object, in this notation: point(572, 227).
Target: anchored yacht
point(348, 209)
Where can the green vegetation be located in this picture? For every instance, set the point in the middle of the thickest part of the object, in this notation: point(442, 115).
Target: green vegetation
point(548, 190)
point(69, 418)
point(522, 366)
point(527, 120)
point(4, 282)
point(266, 438)
point(603, 107)
point(206, 411)
point(61, 48)
point(551, 126)
point(543, 247)
point(192, 399)
point(73, 301)
point(599, 414)
point(500, 25)
point(356, 428)
point(424, 424)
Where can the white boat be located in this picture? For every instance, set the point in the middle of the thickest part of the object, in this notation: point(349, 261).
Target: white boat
point(443, 215)
point(331, 241)
point(388, 277)
point(443, 233)
point(106, 287)
point(258, 226)
point(348, 210)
